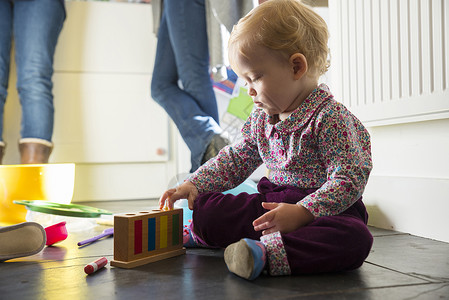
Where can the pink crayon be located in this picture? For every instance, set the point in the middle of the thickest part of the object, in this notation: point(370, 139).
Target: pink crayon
point(95, 265)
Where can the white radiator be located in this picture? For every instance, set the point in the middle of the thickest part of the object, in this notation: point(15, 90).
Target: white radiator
point(390, 59)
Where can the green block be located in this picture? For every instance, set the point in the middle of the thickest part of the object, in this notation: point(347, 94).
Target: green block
point(175, 231)
point(242, 105)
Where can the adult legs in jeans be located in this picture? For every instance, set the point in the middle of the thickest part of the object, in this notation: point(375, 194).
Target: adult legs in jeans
point(328, 244)
point(5, 51)
point(6, 25)
point(182, 55)
point(35, 27)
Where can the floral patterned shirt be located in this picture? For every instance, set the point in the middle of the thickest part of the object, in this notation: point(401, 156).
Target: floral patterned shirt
point(320, 145)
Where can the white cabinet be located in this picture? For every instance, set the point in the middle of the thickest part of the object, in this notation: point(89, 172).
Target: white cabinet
point(103, 66)
point(105, 119)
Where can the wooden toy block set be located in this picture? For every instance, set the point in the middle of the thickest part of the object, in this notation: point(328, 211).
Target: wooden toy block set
point(147, 236)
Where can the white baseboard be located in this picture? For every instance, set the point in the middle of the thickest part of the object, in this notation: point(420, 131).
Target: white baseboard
point(418, 206)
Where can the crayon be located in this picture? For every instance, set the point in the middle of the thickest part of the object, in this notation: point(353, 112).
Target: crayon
point(95, 265)
point(106, 232)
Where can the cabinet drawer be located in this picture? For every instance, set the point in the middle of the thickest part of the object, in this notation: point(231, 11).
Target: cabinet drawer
point(106, 37)
point(108, 118)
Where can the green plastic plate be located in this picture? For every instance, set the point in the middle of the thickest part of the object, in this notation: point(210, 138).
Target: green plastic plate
point(71, 210)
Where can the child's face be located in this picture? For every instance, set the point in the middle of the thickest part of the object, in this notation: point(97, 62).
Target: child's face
point(270, 80)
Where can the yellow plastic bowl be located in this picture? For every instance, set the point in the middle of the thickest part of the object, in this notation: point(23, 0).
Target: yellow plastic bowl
point(48, 182)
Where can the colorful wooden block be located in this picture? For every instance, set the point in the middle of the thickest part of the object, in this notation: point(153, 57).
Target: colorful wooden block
point(147, 236)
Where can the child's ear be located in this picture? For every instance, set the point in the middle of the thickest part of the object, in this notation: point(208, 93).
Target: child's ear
point(299, 63)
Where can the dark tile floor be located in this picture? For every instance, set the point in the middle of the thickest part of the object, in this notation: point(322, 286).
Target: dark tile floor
point(400, 266)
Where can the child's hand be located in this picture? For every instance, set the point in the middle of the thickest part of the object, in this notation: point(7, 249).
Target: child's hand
point(282, 217)
point(187, 190)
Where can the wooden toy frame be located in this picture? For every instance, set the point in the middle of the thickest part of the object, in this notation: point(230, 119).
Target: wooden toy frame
point(147, 236)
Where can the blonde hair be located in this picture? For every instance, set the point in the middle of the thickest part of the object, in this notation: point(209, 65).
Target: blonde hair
point(286, 26)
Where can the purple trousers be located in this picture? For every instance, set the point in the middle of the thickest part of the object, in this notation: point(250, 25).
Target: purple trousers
point(328, 244)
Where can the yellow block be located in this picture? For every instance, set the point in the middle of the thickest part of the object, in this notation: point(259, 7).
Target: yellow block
point(163, 232)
